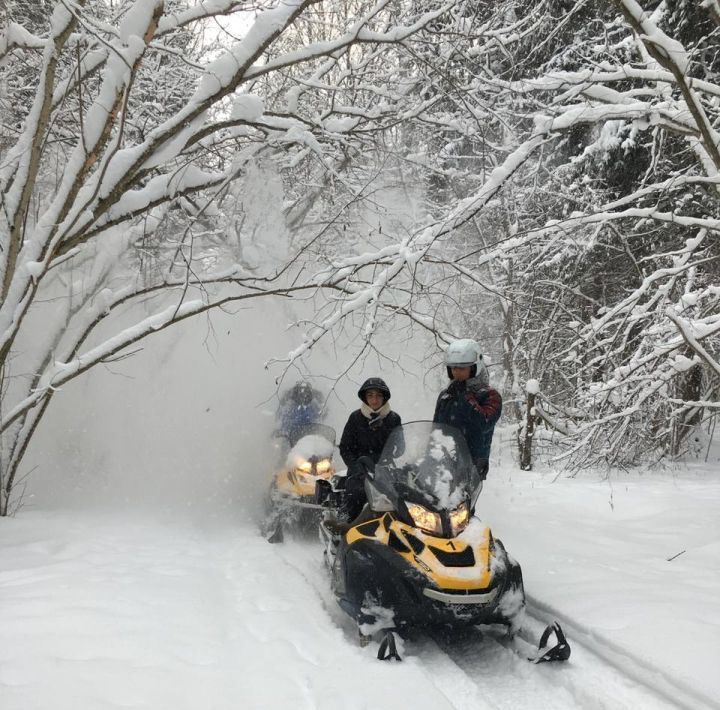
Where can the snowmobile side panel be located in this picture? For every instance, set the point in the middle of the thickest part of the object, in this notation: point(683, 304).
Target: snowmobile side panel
point(293, 484)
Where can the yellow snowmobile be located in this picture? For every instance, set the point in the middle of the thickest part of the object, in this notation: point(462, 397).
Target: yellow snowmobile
point(417, 556)
point(295, 498)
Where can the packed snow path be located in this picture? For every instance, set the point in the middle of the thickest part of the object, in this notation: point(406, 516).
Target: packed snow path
point(103, 612)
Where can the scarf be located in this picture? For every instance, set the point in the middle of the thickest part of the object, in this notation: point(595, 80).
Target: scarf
point(375, 415)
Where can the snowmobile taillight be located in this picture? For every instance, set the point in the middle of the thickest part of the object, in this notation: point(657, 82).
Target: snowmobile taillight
point(425, 519)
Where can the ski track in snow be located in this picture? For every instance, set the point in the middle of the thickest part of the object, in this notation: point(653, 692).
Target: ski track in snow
point(473, 669)
point(101, 613)
point(669, 692)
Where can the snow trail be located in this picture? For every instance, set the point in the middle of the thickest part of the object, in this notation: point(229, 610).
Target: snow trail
point(191, 607)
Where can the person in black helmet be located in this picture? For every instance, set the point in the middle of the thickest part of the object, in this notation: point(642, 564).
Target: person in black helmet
point(365, 434)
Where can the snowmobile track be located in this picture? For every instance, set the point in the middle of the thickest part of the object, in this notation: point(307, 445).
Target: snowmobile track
point(482, 665)
point(630, 665)
point(499, 668)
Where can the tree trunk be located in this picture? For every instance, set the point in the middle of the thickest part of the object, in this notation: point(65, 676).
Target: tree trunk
point(526, 434)
point(690, 390)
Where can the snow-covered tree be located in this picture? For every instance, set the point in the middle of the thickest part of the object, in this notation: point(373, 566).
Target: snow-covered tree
point(157, 159)
point(609, 171)
point(558, 161)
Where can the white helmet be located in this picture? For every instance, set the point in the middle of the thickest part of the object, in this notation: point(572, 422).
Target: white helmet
point(466, 353)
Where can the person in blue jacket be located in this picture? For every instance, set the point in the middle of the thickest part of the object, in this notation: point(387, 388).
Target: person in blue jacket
point(300, 408)
point(469, 403)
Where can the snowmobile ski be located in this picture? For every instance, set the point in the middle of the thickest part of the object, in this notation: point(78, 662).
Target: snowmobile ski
point(560, 651)
point(387, 650)
point(276, 535)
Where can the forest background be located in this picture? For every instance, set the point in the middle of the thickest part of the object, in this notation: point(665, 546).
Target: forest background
point(540, 175)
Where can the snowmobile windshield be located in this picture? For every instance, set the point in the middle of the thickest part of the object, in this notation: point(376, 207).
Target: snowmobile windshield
point(301, 431)
point(426, 463)
point(321, 430)
point(312, 446)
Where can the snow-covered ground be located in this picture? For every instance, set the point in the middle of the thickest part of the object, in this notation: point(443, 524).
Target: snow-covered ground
point(131, 609)
point(630, 564)
point(134, 575)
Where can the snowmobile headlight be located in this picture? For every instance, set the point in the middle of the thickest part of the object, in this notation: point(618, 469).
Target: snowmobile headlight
point(323, 466)
point(425, 519)
point(303, 467)
point(459, 518)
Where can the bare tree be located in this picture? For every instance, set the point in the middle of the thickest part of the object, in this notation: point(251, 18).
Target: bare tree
point(575, 207)
point(614, 187)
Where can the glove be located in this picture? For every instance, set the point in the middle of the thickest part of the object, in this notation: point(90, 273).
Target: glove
point(457, 387)
point(354, 470)
point(481, 466)
point(481, 396)
point(375, 423)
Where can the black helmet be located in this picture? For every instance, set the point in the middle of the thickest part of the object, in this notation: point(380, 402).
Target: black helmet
point(374, 383)
point(302, 393)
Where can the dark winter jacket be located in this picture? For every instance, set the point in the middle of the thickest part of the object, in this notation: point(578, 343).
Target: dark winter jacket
point(295, 417)
point(473, 407)
point(365, 434)
point(360, 438)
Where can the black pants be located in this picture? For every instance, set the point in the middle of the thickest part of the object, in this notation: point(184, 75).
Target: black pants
point(355, 496)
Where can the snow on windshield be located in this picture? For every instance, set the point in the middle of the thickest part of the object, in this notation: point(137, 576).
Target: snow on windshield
point(308, 446)
point(435, 469)
point(443, 485)
point(441, 446)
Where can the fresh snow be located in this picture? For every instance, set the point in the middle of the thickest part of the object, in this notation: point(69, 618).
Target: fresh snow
point(247, 107)
point(137, 19)
point(631, 561)
point(185, 610)
point(16, 35)
point(307, 447)
point(135, 575)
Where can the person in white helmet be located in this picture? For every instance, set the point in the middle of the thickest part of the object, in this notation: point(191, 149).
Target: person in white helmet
point(469, 403)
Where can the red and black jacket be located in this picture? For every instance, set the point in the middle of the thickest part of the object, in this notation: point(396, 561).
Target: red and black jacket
point(473, 408)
